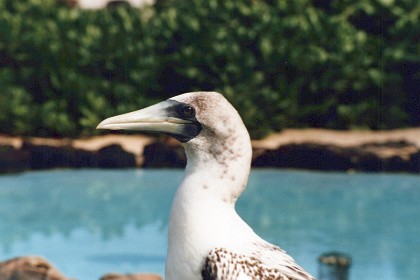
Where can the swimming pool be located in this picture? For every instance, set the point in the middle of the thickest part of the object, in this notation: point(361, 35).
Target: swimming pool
point(91, 222)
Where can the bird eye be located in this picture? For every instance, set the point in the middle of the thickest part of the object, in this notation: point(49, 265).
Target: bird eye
point(187, 112)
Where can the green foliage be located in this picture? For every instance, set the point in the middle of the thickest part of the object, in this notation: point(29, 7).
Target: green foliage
point(281, 63)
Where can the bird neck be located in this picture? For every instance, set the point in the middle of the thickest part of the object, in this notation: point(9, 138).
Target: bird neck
point(203, 215)
point(218, 170)
point(210, 187)
point(214, 178)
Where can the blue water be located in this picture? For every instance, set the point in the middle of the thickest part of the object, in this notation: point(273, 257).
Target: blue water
point(91, 222)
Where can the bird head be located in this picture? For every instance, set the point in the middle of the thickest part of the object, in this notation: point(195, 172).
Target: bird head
point(189, 116)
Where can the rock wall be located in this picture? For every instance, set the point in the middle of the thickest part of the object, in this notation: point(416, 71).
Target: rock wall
point(397, 151)
point(334, 158)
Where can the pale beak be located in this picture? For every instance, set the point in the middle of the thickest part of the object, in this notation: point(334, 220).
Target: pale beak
point(161, 118)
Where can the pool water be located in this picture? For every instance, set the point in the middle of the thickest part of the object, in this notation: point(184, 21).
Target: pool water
point(91, 222)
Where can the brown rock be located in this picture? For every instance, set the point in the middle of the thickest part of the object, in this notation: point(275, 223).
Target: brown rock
point(29, 268)
point(144, 276)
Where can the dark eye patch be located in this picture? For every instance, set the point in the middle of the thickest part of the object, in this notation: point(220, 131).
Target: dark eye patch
point(186, 111)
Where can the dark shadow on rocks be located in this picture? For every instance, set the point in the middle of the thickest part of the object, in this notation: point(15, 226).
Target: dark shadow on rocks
point(114, 156)
point(12, 159)
point(44, 156)
point(415, 162)
point(304, 156)
point(369, 157)
point(163, 155)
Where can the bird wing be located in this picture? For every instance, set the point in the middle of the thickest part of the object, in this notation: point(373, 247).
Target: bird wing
point(223, 264)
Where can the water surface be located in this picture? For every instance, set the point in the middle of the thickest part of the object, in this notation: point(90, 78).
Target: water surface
point(91, 222)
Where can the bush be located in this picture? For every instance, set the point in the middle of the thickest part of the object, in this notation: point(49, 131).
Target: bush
point(281, 63)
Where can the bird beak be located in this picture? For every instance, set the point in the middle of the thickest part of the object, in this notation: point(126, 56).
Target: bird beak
point(161, 118)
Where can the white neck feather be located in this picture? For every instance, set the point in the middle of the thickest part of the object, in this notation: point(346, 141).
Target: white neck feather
point(203, 214)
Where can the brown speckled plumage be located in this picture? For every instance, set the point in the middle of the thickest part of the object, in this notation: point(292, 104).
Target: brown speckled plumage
point(222, 264)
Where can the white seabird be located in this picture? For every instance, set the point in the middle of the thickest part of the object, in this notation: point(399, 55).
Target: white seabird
point(207, 239)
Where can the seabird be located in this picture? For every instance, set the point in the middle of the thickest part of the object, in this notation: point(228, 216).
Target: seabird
point(207, 239)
